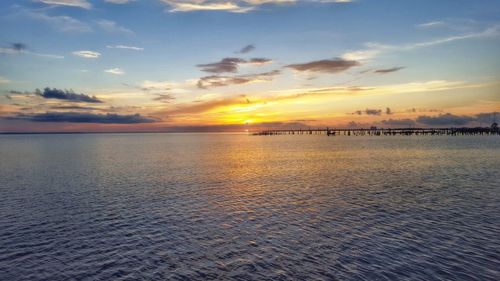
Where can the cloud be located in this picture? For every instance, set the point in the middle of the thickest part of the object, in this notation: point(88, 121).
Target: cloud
point(373, 50)
point(18, 46)
point(406, 122)
point(87, 54)
point(325, 66)
point(246, 49)
point(75, 107)
point(200, 107)
point(115, 71)
point(166, 98)
point(236, 6)
point(78, 117)
point(368, 112)
point(203, 5)
point(231, 65)
point(113, 27)
point(430, 24)
point(388, 111)
point(224, 65)
point(441, 120)
point(259, 61)
point(447, 119)
point(54, 93)
point(388, 70)
point(118, 1)
point(60, 23)
point(487, 117)
point(221, 81)
point(71, 3)
point(125, 47)
point(21, 48)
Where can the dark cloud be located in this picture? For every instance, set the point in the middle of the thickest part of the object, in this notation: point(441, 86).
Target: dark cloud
point(166, 98)
point(230, 65)
point(413, 110)
point(388, 111)
point(18, 47)
point(224, 65)
point(368, 112)
point(373, 111)
point(54, 93)
point(388, 70)
point(221, 81)
point(77, 117)
point(399, 122)
point(247, 49)
point(447, 119)
point(326, 66)
point(259, 60)
point(19, 93)
point(74, 107)
point(488, 117)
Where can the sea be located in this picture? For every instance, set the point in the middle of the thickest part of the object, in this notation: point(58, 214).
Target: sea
point(240, 207)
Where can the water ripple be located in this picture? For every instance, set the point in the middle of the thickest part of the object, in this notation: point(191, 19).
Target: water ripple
point(234, 207)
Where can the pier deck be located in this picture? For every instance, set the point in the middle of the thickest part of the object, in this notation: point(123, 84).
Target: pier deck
point(383, 131)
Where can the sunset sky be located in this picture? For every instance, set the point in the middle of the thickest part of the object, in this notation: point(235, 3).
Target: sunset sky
point(197, 65)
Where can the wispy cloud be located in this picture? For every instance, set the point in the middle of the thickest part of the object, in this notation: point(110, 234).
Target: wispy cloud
point(325, 66)
point(259, 61)
point(165, 98)
point(125, 47)
point(71, 3)
point(21, 48)
point(118, 1)
point(113, 27)
point(231, 65)
point(115, 71)
point(246, 49)
point(181, 6)
point(87, 54)
point(375, 49)
point(200, 107)
point(237, 6)
point(224, 65)
point(430, 24)
point(221, 81)
point(388, 70)
point(60, 23)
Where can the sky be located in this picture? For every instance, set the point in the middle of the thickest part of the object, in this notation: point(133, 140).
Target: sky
point(234, 65)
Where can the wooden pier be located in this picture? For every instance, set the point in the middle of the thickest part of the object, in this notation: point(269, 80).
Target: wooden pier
point(494, 130)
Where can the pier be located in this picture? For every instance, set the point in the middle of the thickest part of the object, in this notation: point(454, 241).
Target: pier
point(493, 130)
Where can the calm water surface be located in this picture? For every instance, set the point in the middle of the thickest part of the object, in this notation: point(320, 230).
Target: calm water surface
point(221, 206)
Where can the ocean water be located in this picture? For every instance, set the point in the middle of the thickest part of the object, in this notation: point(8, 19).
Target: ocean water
point(239, 207)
